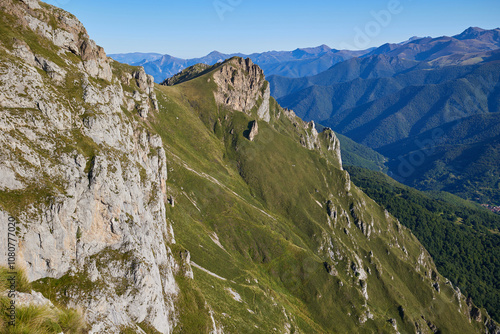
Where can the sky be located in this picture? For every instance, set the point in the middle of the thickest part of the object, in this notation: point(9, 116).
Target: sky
point(193, 28)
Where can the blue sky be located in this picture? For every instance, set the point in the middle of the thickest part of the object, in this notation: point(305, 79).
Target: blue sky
point(193, 28)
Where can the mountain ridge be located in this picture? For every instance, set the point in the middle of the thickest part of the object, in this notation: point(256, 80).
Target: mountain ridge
point(150, 208)
point(293, 63)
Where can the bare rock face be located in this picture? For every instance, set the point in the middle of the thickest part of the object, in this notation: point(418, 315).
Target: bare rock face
point(145, 82)
point(310, 139)
point(333, 145)
point(263, 111)
point(32, 4)
point(242, 86)
point(68, 33)
point(55, 72)
point(254, 131)
point(96, 179)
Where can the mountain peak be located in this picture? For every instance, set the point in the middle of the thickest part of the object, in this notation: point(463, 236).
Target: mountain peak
point(470, 33)
point(215, 53)
point(314, 50)
point(241, 84)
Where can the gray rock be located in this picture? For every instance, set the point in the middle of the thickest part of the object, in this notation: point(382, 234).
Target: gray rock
point(254, 131)
point(8, 180)
point(240, 85)
point(32, 4)
point(112, 202)
point(263, 111)
point(53, 71)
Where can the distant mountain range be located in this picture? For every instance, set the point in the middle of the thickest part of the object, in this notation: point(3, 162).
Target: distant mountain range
point(399, 95)
point(297, 63)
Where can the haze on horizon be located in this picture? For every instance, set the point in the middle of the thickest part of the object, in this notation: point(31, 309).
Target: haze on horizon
point(189, 29)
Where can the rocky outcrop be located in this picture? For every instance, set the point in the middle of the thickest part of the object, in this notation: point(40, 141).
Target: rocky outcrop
point(145, 100)
point(94, 180)
point(263, 112)
point(241, 86)
point(254, 131)
point(325, 142)
point(310, 139)
point(333, 145)
point(64, 31)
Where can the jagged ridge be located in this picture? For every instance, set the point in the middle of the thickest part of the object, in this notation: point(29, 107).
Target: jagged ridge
point(243, 236)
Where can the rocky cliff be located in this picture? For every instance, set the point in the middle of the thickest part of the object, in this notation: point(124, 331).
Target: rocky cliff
point(149, 208)
point(86, 181)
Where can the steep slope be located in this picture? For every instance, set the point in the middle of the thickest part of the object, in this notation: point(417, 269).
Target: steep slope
point(84, 180)
point(256, 228)
point(463, 240)
point(460, 157)
point(295, 249)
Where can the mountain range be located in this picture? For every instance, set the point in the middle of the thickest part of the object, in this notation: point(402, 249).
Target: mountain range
point(202, 206)
point(402, 93)
point(297, 63)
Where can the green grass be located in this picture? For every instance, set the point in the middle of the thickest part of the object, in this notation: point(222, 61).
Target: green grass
point(467, 253)
point(265, 201)
point(275, 174)
point(33, 319)
point(22, 282)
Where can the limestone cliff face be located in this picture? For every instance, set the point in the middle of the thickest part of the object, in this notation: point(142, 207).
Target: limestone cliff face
point(69, 34)
point(82, 206)
point(280, 241)
point(242, 86)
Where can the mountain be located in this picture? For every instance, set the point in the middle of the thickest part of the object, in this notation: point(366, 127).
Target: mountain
point(472, 46)
point(200, 207)
point(418, 108)
point(379, 66)
point(460, 157)
point(135, 57)
point(328, 99)
point(297, 63)
point(391, 97)
point(463, 240)
point(472, 40)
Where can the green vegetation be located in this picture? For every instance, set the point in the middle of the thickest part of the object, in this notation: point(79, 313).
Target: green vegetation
point(463, 160)
point(354, 154)
point(277, 238)
point(391, 104)
point(463, 240)
point(264, 201)
point(189, 73)
point(36, 319)
point(22, 283)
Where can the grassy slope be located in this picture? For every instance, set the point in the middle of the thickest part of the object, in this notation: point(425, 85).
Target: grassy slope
point(36, 319)
point(261, 200)
point(463, 240)
point(266, 203)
